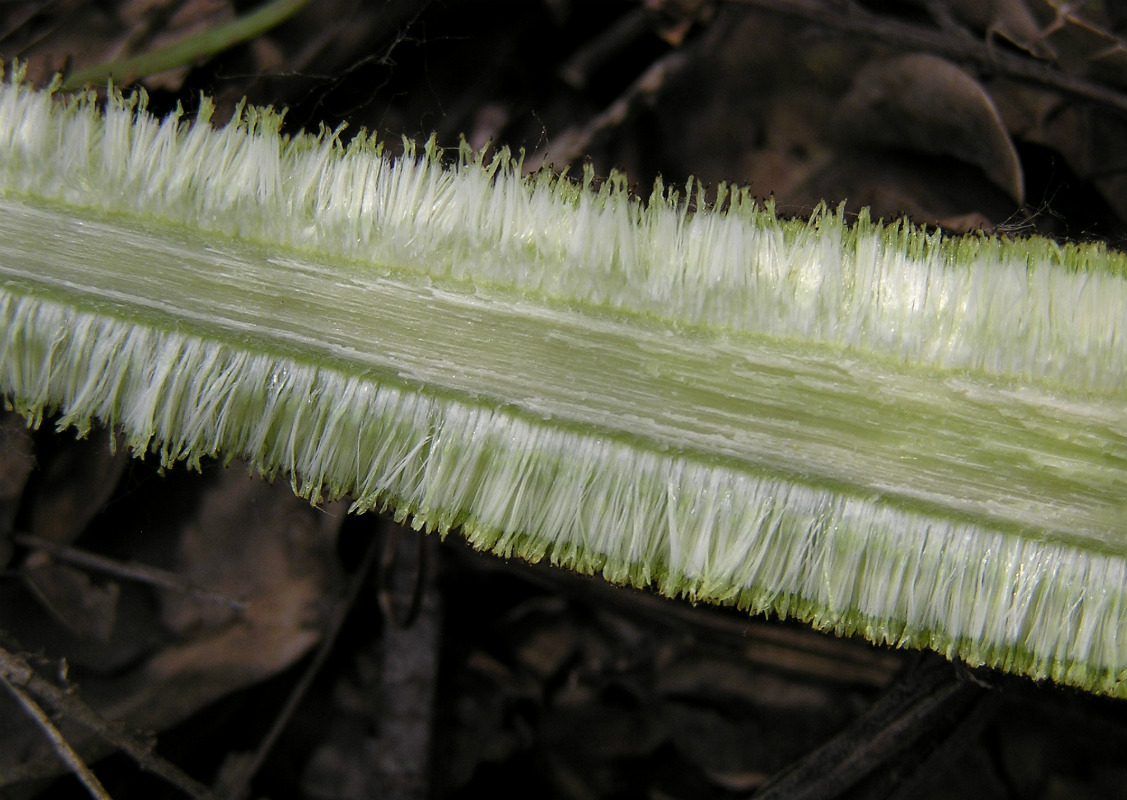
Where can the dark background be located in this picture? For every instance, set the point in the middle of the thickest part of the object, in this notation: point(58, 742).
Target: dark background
point(518, 680)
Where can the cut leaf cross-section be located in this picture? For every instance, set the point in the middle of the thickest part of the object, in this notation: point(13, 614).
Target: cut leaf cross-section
point(872, 428)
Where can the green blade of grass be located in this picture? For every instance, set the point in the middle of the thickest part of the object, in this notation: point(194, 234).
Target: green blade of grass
point(187, 50)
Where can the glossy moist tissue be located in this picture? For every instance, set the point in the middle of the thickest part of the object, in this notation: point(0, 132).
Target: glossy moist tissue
point(871, 427)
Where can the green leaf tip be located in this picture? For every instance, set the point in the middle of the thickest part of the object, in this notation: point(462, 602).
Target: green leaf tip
point(873, 428)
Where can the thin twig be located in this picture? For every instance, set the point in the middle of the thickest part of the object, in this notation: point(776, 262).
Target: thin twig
point(916, 38)
point(16, 672)
point(574, 142)
point(142, 573)
point(632, 26)
point(924, 708)
point(58, 742)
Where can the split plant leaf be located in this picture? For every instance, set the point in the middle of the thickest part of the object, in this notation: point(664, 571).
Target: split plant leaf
point(871, 427)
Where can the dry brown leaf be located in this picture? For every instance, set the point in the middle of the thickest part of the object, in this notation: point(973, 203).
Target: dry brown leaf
point(925, 104)
point(85, 608)
point(57, 37)
point(17, 461)
point(893, 185)
point(77, 482)
point(1090, 142)
point(247, 539)
point(1012, 20)
point(52, 37)
point(1082, 41)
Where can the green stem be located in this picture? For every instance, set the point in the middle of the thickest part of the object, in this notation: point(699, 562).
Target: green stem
point(186, 51)
point(874, 429)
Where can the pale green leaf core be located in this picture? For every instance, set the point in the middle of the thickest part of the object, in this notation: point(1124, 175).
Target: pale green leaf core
point(921, 440)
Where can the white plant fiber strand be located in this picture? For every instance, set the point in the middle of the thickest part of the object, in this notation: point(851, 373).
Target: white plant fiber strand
point(872, 429)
